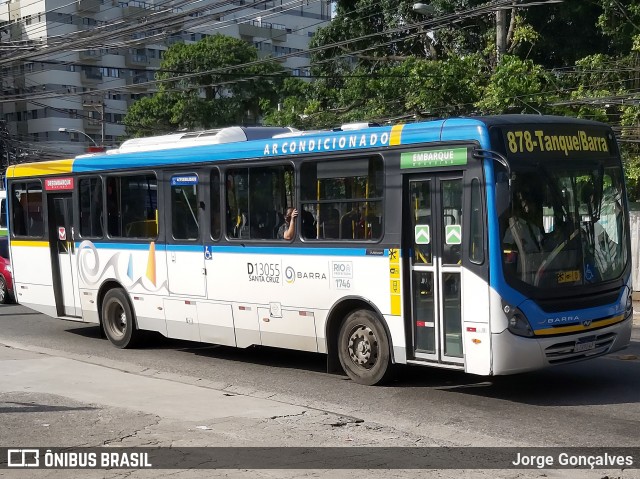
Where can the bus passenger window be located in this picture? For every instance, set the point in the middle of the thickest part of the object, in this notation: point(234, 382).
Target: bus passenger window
point(257, 199)
point(344, 199)
point(132, 204)
point(90, 190)
point(184, 207)
point(476, 238)
point(26, 203)
point(3, 213)
point(215, 204)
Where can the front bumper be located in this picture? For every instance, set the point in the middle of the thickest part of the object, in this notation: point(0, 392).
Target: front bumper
point(514, 354)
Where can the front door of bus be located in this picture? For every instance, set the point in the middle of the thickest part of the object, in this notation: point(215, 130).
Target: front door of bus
point(434, 250)
point(63, 254)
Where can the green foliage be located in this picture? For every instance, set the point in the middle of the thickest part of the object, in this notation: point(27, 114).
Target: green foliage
point(445, 87)
point(573, 58)
point(517, 86)
point(219, 96)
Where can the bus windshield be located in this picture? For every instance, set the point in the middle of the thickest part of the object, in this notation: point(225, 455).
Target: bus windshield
point(564, 226)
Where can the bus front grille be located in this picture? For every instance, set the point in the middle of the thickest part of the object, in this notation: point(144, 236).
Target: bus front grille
point(568, 351)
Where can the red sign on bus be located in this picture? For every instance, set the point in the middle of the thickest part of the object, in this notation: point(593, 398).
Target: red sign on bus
point(53, 184)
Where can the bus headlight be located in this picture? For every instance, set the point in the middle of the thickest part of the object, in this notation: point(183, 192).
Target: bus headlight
point(519, 325)
point(628, 310)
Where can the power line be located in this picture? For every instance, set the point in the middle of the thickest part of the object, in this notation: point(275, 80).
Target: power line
point(431, 23)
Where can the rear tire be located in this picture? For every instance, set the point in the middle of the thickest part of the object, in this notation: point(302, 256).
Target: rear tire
point(118, 321)
point(4, 293)
point(363, 348)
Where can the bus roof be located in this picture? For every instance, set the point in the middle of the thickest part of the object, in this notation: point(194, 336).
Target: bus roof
point(238, 143)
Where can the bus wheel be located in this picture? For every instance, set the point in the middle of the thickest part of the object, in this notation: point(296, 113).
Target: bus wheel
point(363, 348)
point(117, 319)
point(4, 294)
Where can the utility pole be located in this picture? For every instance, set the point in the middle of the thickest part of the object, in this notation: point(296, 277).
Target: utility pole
point(4, 144)
point(501, 34)
point(99, 107)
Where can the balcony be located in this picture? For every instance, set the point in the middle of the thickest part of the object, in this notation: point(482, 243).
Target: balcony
point(138, 83)
point(260, 29)
point(89, 6)
point(92, 126)
point(92, 77)
point(136, 60)
point(89, 55)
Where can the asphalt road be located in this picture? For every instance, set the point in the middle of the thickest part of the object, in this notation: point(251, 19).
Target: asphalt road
point(593, 403)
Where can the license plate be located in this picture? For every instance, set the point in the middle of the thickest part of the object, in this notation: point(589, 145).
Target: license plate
point(580, 347)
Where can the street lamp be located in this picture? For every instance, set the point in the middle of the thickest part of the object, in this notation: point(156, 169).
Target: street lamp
point(427, 11)
point(70, 130)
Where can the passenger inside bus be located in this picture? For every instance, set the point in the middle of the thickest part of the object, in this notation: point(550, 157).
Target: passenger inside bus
point(288, 229)
point(350, 224)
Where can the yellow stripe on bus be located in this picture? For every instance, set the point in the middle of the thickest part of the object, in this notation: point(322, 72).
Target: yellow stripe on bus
point(29, 243)
point(396, 134)
point(44, 168)
point(579, 328)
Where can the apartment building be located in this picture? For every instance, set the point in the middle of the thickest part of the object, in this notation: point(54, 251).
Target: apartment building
point(99, 56)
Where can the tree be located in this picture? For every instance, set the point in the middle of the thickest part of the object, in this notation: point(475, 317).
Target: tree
point(217, 95)
point(518, 86)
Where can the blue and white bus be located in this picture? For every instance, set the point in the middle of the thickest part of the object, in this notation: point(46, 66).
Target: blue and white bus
point(491, 245)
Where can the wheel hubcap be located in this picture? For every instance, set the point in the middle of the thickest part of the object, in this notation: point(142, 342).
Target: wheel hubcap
point(363, 347)
point(117, 320)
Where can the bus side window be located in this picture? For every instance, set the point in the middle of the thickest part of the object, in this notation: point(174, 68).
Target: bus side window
point(91, 203)
point(257, 198)
point(344, 197)
point(3, 213)
point(113, 208)
point(476, 238)
point(27, 217)
point(131, 206)
point(215, 204)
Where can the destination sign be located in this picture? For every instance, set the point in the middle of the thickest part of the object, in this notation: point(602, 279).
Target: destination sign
point(557, 141)
point(56, 184)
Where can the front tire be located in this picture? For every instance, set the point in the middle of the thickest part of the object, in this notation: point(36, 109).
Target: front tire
point(363, 348)
point(118, 321)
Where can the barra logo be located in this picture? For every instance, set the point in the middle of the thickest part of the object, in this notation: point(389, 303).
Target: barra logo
point(23, 458)
point(563, 320)
point(290, 274)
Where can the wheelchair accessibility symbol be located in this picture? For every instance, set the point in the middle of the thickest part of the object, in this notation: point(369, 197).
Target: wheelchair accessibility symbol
point(588, 274)
point(207, 253)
